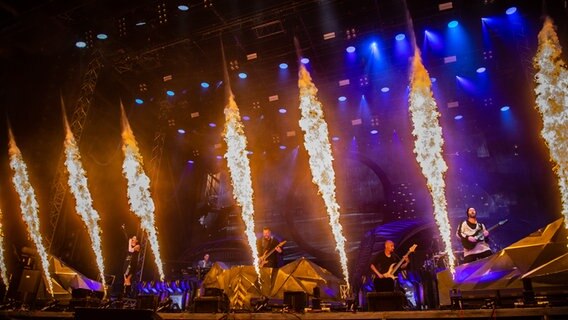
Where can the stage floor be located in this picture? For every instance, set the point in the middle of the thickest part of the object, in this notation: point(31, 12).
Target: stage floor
point(520, 313)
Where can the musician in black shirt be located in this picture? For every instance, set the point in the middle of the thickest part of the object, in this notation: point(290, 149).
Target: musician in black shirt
point(266, 244)
point(384, 281)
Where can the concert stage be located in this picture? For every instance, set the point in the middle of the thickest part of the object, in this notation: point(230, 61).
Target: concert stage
point(519, 313)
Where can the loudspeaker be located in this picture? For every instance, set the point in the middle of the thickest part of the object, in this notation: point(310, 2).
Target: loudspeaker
point(147, 301)
point(209, 305)
point(29, 281)
point(385, 301)
point(296, 300)
point(115, 314)
point(212, 292)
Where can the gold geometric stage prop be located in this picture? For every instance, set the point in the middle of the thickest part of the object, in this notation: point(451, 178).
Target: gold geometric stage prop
point(65, 279)
point(542, 257)
point(241, 284)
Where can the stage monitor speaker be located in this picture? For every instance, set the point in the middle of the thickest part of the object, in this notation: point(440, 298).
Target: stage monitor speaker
point(385, 301)
point(296, 300)
point(147, 302)
point(29, 282)
point(115, 314)
point(209, 305)
point(212, 292)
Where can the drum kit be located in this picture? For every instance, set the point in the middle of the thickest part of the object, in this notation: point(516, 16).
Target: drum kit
point(439, 260)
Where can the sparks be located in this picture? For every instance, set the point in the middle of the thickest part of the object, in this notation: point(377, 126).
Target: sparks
point(3, 269)
point(139, 196)
point(28, 205)
point(239, 167)
point(552, 103)
point(83, 201)
point(316, 141)
point(428, 147)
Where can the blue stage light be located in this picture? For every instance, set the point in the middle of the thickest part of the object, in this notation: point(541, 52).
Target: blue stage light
point(282, 110)
point(138, 101)
point(374, 131)
point(453, 24)
point(81, 44)
point(400, 37)
point(374, 45)
point(458, 117)
point(511, 10)
point(243, 75)
point(505, 108)
point(183, 7)
point(170, 93)
point(102, 36)
point(283, 66)
point(350, 49)
point(480, 70)
point(433, 79)
point(181, 131)
point(212, 124)
point(385, 89)
point(190, 161)
point(342, 98)
point(305, 60)
point(282, 147)
point(335, 138)
point(246, 118)
point(140, 23)
point(204, 85)
point(219, 157)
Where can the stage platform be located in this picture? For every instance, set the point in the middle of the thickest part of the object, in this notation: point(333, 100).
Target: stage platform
point(501, 313)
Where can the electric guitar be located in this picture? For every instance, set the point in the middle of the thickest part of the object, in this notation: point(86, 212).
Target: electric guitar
point(262, 260)
point(394, 267)
point(478, 235)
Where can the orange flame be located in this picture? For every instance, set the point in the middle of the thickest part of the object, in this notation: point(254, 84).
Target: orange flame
point(83, 202)
point(316, 141)
point(239, 166)
point(428, 147)
point(139, 196)
point(3, 269)
point(28, 205)
point(552, 102)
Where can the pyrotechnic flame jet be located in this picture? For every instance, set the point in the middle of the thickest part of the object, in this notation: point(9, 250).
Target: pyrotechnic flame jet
point(3, 269)
point(316, 141)
point(428, 146)
point(77, 181)
point(239, 165)
point(139, 197)
point(551, 91)
point(28, 205)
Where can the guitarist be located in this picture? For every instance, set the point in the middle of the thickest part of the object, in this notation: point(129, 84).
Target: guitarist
point(266, 244)
point(473, 235)
point(380, 266)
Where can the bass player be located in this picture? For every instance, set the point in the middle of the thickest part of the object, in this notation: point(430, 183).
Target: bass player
point(382, 264)
point(268, 244)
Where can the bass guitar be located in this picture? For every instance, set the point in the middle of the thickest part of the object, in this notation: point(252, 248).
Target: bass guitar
point(264, 258)
point(394, 267)
point(478, 235)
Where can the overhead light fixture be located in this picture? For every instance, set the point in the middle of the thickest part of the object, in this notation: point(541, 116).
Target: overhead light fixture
point(329, 35)
point(452, 24)
point(445, 6)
